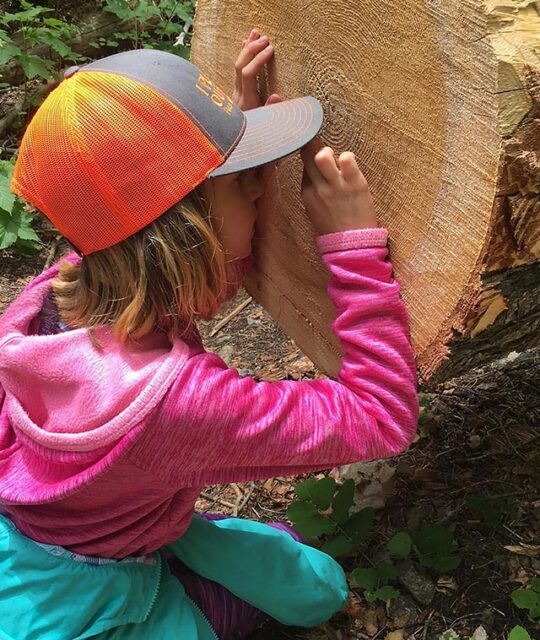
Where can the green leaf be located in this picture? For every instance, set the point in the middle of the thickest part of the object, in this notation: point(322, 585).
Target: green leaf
point(343, 501)
point(386, 572)
point(170, 29)
point(53, 22)
point(144, 10)
point(27, 233)
point(8, 52)
point(26, 16)
point(6, 168)
point(400, 544)
point(338, 546)
point(385, 593)
point(303, 489)
point(426, 559)
point(300, 509)
point(359, 525)
point(365, 578)
point(8, 230)
point(7, 198)
point(434, 539)
point(34, 66)
point(519, 633)
point(353, 533)
point(323, 492)
point(534, 612)
point(26, 246)
point(442, 564)
point(56, 44)
point(308, 521)
point(314, 526)
point(525, 598)
point(120, 8)
point(535, 584)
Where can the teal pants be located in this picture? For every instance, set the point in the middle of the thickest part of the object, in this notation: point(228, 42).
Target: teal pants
point(48, 595)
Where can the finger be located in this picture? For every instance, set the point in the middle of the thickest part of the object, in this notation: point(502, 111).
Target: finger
point(348, 166)
point(254, 35)
point(308, 157)
point(325, 160)
point(247, 54)
point(248, 74)
point(273, 99)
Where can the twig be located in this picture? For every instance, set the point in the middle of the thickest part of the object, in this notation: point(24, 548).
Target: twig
point(246, 498)
point(52, 252)
point(239, 497)
point(230, 316)
point(426, 625)
point(7, 121)
point(224, 503)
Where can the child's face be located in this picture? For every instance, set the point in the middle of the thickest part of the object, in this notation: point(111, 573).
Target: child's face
point(233, 211)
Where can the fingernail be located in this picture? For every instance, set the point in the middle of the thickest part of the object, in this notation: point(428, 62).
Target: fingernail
point(263, 39)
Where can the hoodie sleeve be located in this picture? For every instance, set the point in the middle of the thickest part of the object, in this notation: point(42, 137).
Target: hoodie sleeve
point(215, 426)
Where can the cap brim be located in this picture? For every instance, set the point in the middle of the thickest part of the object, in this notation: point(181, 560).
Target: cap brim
point(273, 132)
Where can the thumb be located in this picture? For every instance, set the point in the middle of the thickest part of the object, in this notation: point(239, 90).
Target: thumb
point(273, 99)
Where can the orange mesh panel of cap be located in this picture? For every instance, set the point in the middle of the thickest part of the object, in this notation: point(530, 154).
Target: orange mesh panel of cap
point(105, 155)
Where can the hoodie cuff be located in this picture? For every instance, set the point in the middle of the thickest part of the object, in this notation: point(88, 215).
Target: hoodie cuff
point(353, 239)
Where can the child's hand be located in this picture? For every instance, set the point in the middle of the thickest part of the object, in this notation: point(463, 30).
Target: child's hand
point(255, 53)
point(334, 191)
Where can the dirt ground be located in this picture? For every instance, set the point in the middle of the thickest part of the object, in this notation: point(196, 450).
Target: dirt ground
point(479, 436)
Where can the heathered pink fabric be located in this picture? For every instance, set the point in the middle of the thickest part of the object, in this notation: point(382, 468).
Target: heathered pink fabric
point(105, 452)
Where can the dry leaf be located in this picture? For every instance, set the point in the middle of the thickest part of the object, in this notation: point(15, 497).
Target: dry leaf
point(446, 583)
point(374, 481)
point(373, 618)
point(354, 607)
point(531, 550)
point(399, 634)
point(480, 634)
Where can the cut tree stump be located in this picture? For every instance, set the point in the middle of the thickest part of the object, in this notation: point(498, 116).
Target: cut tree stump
point(440, 101)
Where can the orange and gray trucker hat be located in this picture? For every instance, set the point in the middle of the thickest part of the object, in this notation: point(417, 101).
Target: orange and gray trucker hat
point(122, 139)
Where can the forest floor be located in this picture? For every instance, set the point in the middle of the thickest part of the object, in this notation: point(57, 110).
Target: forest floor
point(479, 437)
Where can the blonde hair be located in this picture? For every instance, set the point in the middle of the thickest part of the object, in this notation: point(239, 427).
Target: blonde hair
point(166, 276)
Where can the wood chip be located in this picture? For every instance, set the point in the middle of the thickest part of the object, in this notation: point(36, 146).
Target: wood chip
point(531, 550)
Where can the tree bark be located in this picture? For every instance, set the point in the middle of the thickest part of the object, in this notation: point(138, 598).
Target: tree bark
point(440, 101)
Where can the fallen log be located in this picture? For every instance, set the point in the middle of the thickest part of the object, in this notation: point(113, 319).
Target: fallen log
point(440, 101)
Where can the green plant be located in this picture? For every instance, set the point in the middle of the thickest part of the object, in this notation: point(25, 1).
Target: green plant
point(33, 28)
point(376, 581)
point(436, 548)
point(323, 510)
point(433, 546)
point(519, 633)
point(159, 24)
point(15, 222)
point(528, 599)
point(491, 510)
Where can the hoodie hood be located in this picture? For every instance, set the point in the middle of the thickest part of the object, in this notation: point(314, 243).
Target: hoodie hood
point(64, 393)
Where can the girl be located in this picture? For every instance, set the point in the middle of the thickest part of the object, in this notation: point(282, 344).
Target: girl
point(113, 416)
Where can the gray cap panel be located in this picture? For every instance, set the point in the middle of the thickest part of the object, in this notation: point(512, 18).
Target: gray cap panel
point(184, 85)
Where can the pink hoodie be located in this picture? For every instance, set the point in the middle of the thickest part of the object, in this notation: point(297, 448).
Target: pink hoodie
point(105, 451)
